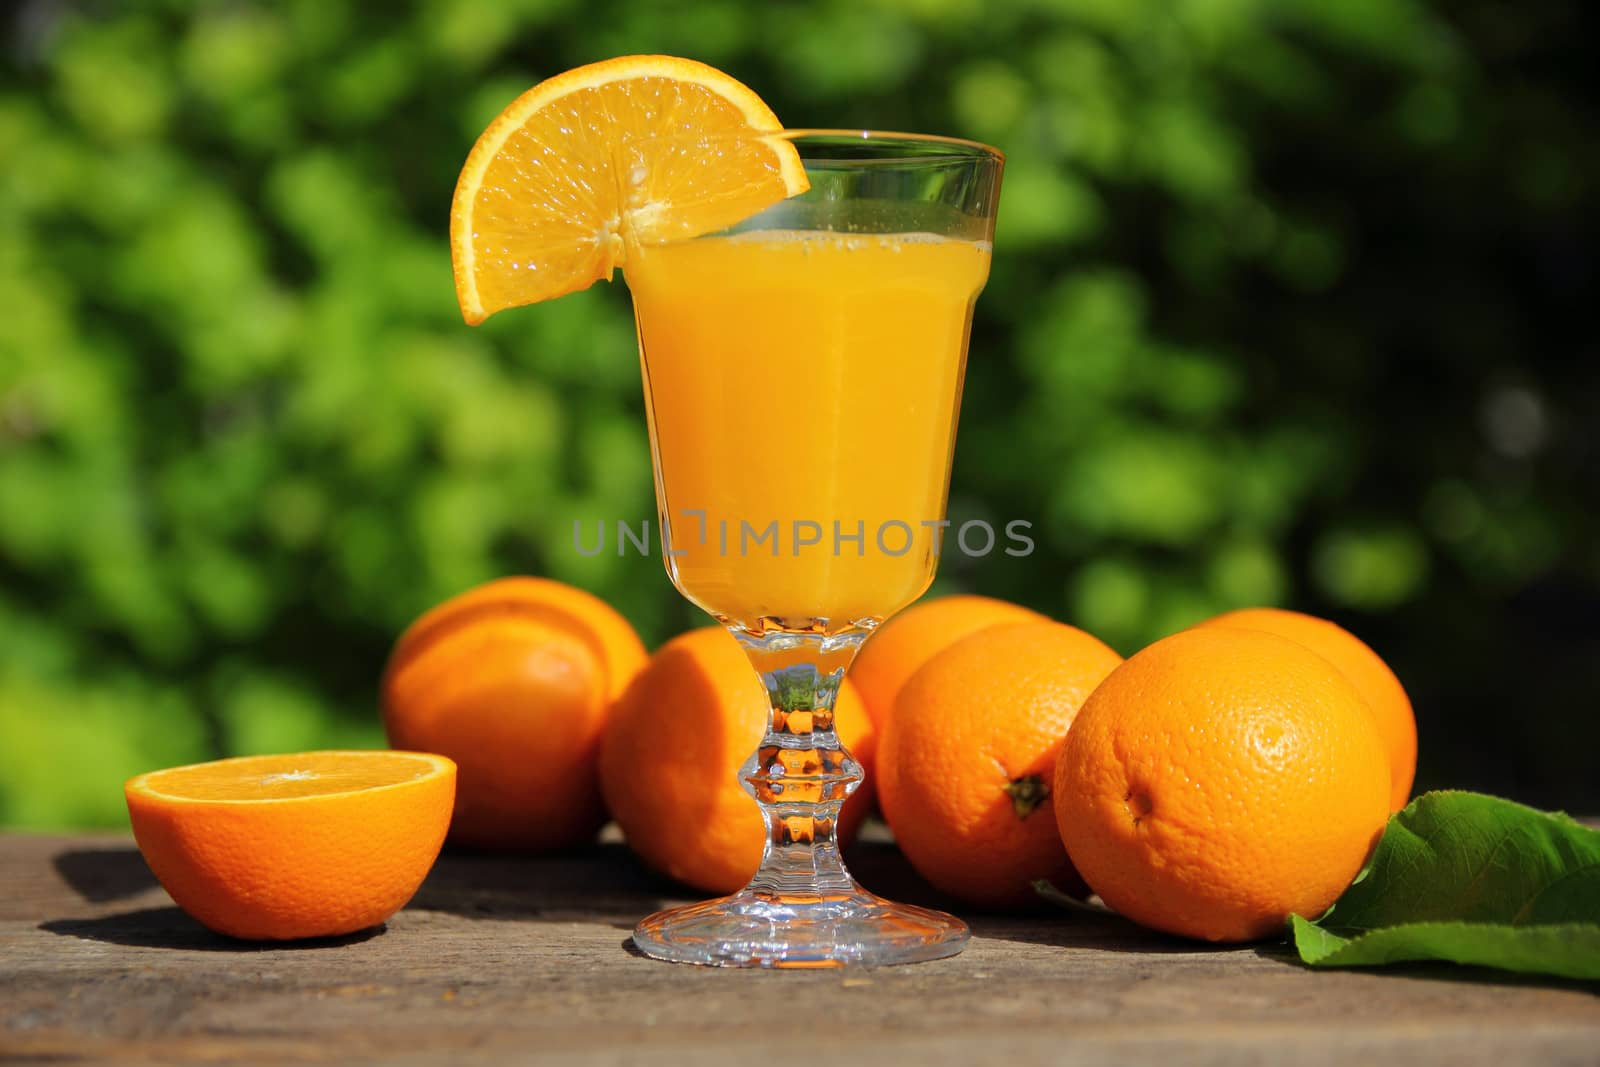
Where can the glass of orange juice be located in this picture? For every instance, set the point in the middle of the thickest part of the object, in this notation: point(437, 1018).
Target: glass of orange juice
point(803, 378)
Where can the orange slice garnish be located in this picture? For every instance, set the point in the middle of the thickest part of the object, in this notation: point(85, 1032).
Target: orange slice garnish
point(630, 151)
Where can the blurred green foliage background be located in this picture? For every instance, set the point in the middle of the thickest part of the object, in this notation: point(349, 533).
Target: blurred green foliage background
point(1291, 304)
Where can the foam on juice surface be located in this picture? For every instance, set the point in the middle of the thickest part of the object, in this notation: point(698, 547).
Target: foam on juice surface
point(848, 241)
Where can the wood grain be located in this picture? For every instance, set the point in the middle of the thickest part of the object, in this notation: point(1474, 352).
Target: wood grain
point(515, 960)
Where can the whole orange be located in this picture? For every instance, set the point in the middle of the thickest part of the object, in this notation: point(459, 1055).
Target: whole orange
point(965, 761)
point(312, 844)
point(1371, 676)
point(672, 751)
point(513, 680)
point(620, 646)
point(1219, 781)
point(913, 637)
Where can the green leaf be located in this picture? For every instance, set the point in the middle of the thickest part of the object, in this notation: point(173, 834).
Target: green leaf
point(1469, 879)
point(1567, 950)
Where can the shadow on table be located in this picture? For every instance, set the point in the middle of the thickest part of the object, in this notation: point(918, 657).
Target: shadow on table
point(102, 875)
point(169, 927)
point(1105, 932)
point(1112, 933)
point(606, 882)
point(603, 882)
point(883, 868)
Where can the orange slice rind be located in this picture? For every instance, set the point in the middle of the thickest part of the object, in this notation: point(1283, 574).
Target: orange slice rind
point(629, 151)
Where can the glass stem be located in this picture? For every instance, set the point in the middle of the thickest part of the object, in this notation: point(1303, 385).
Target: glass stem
point(801, 775)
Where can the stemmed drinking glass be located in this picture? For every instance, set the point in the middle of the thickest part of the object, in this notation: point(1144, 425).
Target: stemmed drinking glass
point(803, 379)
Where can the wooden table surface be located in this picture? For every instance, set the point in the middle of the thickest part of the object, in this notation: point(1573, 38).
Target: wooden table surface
point(510, 960)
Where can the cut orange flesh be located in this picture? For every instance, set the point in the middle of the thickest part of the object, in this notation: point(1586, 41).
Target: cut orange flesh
point(264, 779)
point(629, 151)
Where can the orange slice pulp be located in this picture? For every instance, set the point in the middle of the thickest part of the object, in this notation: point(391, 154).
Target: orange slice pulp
point(629, 151)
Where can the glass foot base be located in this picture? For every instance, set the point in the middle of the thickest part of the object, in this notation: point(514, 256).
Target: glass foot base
point(760, 929)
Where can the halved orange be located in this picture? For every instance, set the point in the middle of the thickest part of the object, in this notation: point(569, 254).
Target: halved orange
point(313, 844)
point(633, 150)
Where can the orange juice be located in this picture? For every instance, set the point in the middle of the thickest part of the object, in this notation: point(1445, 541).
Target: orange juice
point(803, 388)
